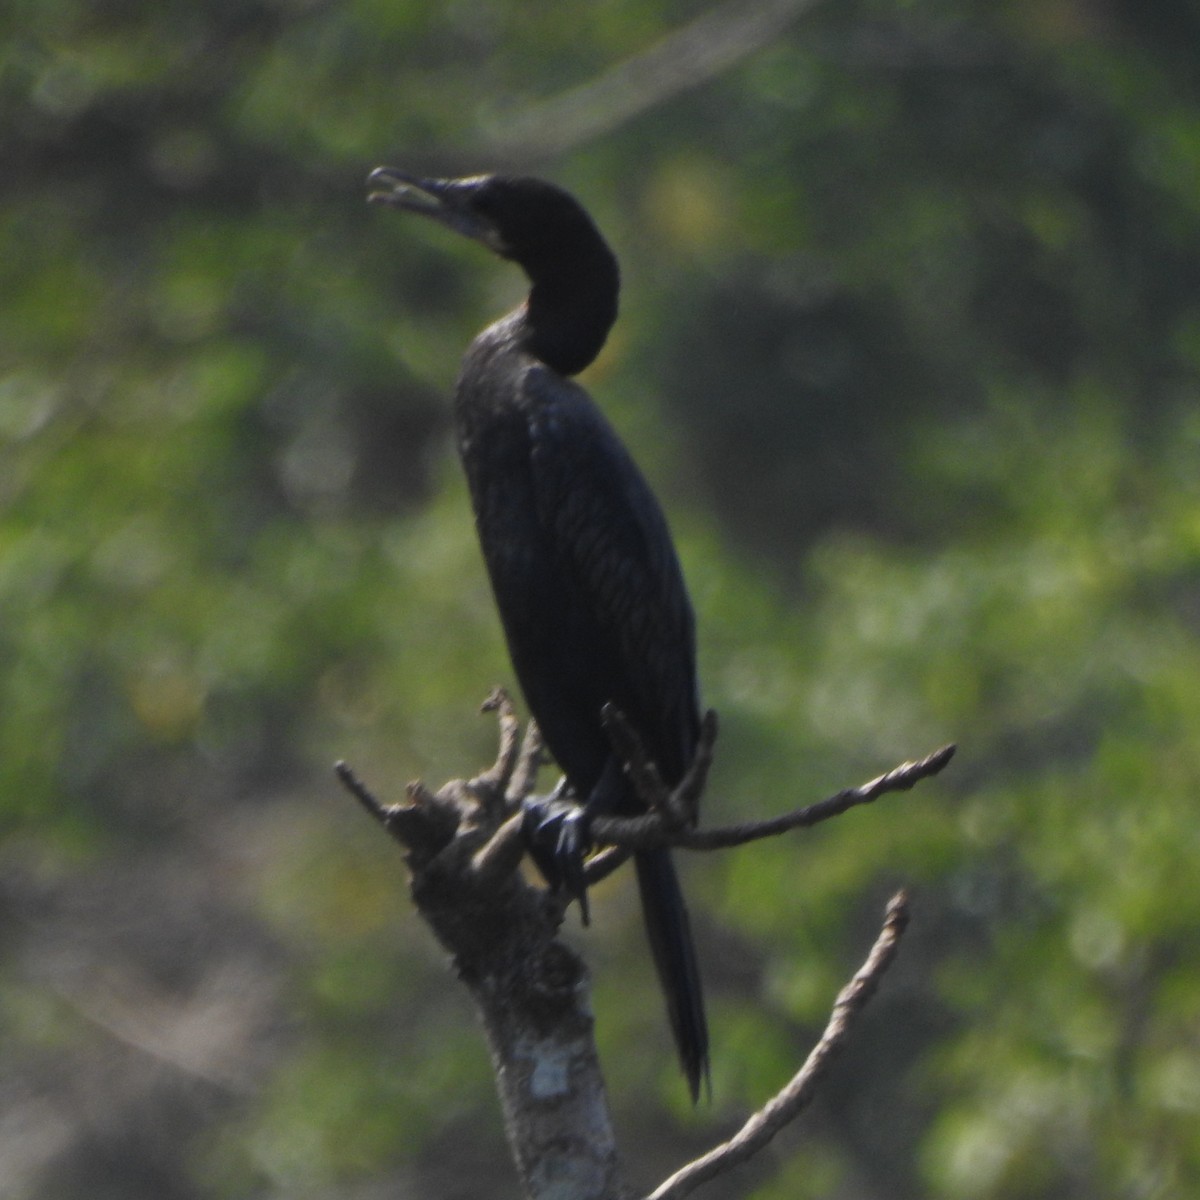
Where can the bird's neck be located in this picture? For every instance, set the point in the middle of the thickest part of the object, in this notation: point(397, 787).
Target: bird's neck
point(570, 309)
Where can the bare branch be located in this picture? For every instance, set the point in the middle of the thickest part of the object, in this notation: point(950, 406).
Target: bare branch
point(463, 850)
point(602, 865)
point(689, 56)
point(524, 776)
point(671, 808)
point(501, 855)
point(787, 1104)
point(495, 780)
point(464, 844)
point(899, 779)
point(637, 833)
point(629, 749)
point(359, 790)
point(695, 779)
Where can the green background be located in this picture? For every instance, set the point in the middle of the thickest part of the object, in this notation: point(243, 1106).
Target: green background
point(910, 348)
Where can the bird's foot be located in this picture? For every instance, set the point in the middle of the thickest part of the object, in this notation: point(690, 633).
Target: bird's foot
point(558, 837)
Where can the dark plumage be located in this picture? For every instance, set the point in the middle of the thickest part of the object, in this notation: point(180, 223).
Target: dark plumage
point(581, 561)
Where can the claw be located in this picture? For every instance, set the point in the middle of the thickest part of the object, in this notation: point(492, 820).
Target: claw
point(556, 832)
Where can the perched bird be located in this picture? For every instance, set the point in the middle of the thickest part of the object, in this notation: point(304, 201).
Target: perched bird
point(581, 561)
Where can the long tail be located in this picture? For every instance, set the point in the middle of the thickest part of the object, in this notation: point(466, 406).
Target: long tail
point(675, 959)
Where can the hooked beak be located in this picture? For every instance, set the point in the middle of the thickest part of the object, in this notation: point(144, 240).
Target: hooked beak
point(447, 201)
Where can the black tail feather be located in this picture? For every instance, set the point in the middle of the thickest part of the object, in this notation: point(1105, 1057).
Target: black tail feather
point(674, 956)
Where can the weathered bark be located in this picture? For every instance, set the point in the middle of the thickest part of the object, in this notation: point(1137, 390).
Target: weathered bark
point(464, 846)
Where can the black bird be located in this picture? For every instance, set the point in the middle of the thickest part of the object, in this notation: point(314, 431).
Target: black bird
point(581, 561)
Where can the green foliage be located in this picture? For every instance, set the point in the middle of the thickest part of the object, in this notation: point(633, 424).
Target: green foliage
point(910, 347)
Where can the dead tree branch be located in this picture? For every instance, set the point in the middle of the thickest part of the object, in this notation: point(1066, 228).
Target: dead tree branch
point(671, 814)
point(464, 845)
point(899, 779)
point(787, 1104)
point(463, 848)
point(688, 57)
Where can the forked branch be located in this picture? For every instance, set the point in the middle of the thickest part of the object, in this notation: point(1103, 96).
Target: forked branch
point(463, 845)
point(671, 814)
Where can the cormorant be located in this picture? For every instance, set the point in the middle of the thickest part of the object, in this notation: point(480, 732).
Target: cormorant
point(582, 564)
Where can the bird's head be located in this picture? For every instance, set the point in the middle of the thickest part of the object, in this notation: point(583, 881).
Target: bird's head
point(526, 220)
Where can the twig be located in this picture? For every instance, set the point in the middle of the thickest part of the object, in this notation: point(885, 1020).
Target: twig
point(636, 833)
point(524, 775)
point(630, 750)
point(602, 865)
point(495, 780)
point(359, 790)
point(787, 1104)
point(670, 808)
point(899, 779)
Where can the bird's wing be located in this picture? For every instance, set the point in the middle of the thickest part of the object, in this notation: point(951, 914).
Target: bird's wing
point(615, 548)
